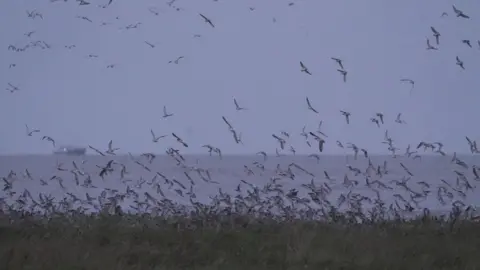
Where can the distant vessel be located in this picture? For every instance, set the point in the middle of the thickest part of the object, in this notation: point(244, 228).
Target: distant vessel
point(71, 150)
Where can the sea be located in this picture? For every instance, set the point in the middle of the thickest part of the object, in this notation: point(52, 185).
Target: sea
point(63, 176)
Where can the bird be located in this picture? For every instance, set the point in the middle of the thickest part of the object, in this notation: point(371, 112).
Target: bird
point(237, 107)
point(48, 138)
point(30, 132)
point(429, 46)
point(460, 63)
point(347, 116)
point(12, 88)
point(153, 11)
point(230, 127)
point(339, 62)
point(436, 34)
point(281, 141)
point(154, 138)
point(165, 114)
point(467, 42)
point(150, 44)
point(410, 81)
point(179, 140)
point(316, 156)
point(460, 13)
point(207, 20)
point(380, 116)
point(398, 120)
point(96, 150)
point(319, 131)
point(320, 141)
point(28, 34)
point(304, 68)
point(310, 106)
point(264, 154)
point(110, 149)
point(85, 18)
point(344, 74)
point(84, 3)
point(176, 60)
point(210, 148)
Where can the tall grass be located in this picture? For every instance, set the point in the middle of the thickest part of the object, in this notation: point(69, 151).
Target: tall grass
point(221, 240)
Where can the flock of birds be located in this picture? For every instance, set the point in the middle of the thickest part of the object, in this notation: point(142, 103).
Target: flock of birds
point(85, 189)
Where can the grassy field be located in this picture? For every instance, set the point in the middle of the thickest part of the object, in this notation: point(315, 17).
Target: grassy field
point(135, 242)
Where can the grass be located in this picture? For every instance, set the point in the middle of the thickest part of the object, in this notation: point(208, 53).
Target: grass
point(220, 241)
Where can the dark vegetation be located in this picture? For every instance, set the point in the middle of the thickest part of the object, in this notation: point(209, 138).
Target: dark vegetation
point(231, 241)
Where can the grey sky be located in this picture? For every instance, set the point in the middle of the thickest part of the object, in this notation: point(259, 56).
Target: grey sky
point(79, 101)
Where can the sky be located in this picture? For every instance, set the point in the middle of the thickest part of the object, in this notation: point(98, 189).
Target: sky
point(250, 55)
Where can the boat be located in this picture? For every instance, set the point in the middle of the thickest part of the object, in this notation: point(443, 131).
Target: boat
point(71, 150)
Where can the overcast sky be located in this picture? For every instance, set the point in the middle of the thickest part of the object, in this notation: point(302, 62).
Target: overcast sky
point(252, 55)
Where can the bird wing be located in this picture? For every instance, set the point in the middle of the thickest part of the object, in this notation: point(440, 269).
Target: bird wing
point(308, 102)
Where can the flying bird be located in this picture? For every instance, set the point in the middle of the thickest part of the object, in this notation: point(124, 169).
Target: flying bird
point(110, 149)
point(96, 150)
point(411, 82)
point(230, 127)
point(460, 13)
point(165, 114)
point(85, 18)
point(467, 42)
point(399, 120)
point(237, 107)
point(264, 154)
point(281, 141)
point(380, 116)
point(180, 140)
point(48, 138)
point(375, 120)
point(310, 106)
point(155, 138)
point(12, 88)
point(344, 74)
point(176, 60)
point(429, 46)
point(460, 63)
point(436, 34)
point(207, 20)
point(339, 62)
point(84, 3)
point(347, 116)
point(30, 132)
point(150, 44)
point(304, 68)
point(28, 34)
point(320, 141)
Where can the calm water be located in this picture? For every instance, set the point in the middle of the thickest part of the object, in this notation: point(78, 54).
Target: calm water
point(230, 170)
